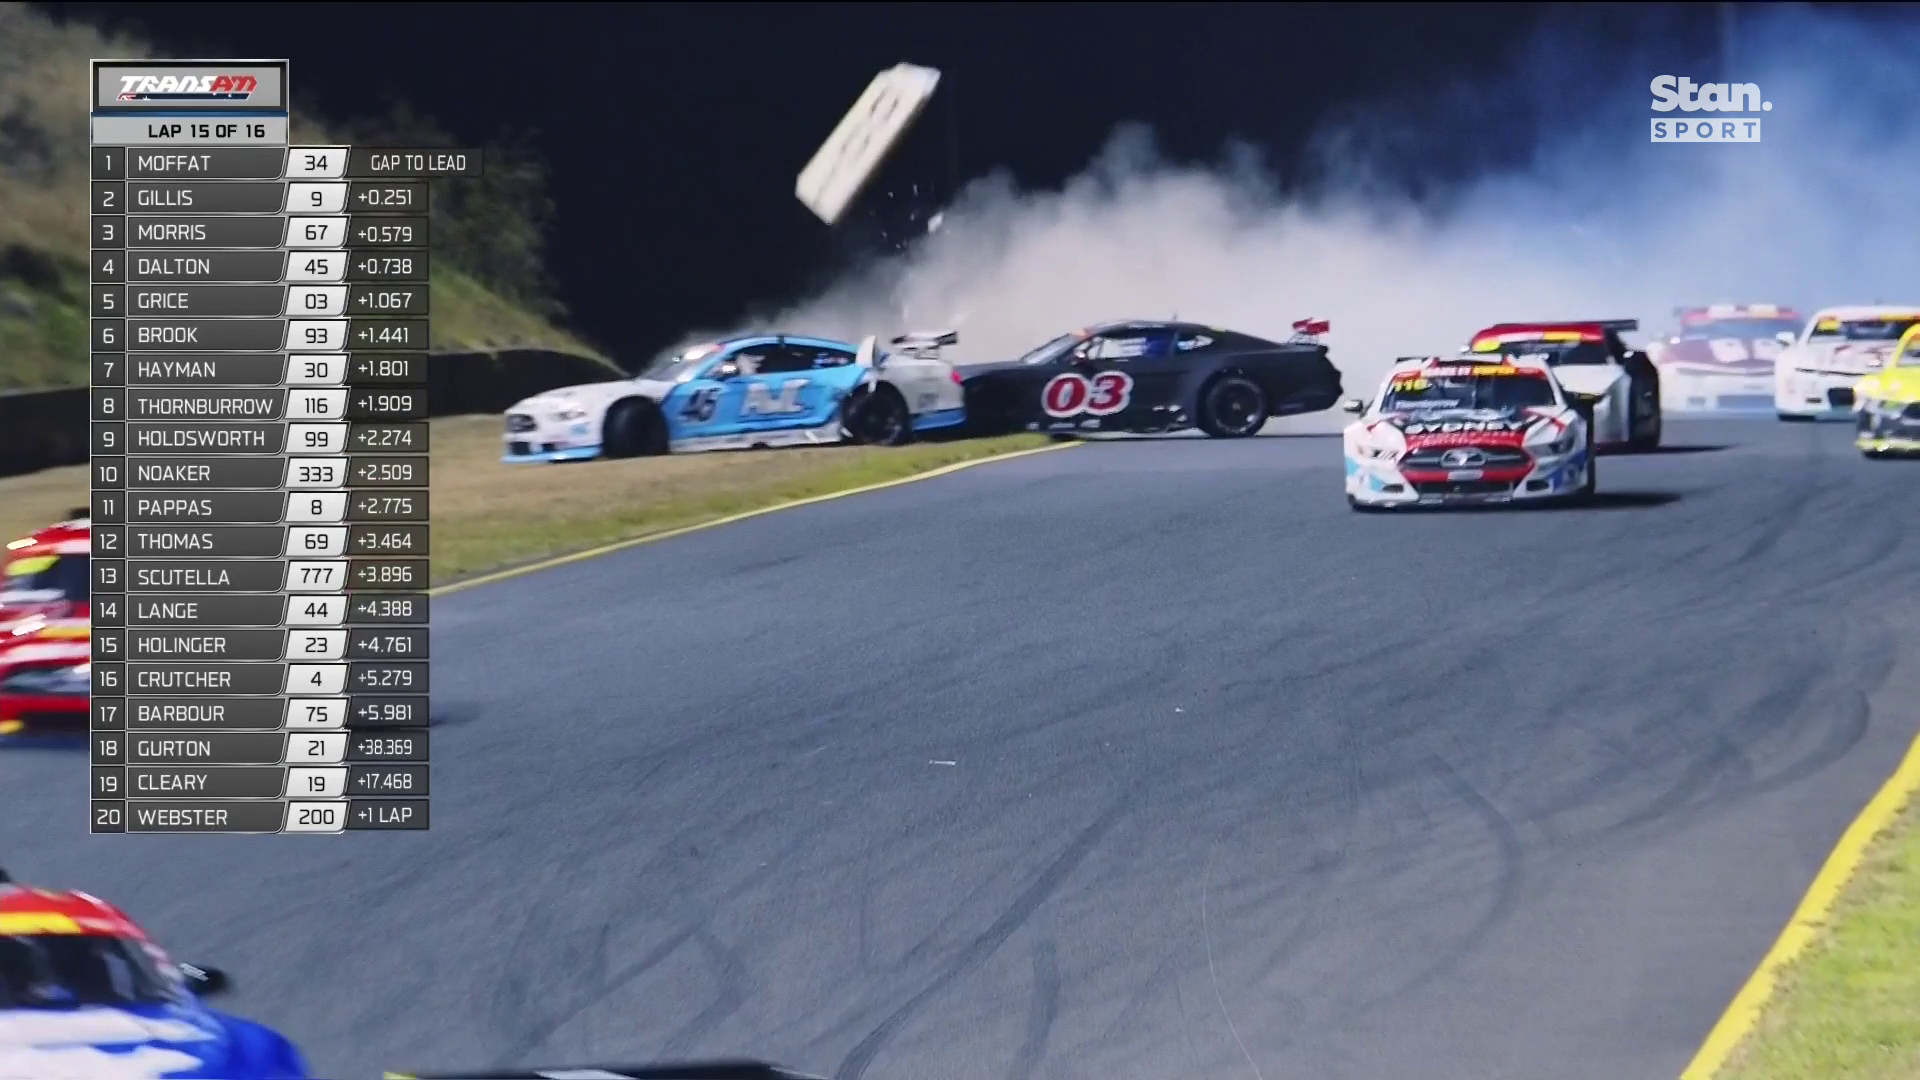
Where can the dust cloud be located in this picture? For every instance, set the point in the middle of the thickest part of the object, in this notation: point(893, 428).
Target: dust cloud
point(1592, 221)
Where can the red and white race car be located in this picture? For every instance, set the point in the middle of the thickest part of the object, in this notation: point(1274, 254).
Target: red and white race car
point(46, 631)
point(46, 575)
point(1720, 358)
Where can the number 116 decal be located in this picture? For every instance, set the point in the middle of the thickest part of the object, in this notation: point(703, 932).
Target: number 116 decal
point(1075, 395)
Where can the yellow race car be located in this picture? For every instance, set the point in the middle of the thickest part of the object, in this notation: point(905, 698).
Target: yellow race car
point(1886, 404)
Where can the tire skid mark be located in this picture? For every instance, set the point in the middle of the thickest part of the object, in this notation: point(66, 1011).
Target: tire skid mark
point(1042, 1012)
point(861, 1057)
point(1511, 854)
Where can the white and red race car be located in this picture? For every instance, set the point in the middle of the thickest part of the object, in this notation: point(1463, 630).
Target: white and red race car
point(1813, 379)
point(1468, 429)
point(1720, 358)
point(45, 631)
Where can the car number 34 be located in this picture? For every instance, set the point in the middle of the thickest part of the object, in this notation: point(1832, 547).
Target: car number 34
point(1075, 395)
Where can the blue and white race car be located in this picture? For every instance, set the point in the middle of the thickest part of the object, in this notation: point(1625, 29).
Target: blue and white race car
point(85, 993)
point(747, 393)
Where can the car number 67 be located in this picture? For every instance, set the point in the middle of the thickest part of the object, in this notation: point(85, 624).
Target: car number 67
point(1073, 394)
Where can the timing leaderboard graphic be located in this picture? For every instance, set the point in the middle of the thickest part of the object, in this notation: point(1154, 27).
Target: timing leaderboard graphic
point(259, 461)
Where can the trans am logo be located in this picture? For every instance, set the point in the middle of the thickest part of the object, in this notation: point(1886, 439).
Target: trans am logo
point(187, 87)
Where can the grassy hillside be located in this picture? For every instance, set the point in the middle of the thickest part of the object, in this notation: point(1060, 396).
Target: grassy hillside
point(43, 216)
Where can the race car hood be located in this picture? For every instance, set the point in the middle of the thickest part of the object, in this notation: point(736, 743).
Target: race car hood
point(969, 371)
point(1840, 357)
point(145, 1043)
point(591, 396)
point(1722, 355)
point(1451, 427)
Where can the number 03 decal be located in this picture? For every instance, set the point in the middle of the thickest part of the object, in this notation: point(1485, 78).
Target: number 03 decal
point(1072, 395)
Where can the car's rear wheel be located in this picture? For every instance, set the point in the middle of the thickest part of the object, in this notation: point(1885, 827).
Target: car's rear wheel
point(1232, 407)
point(634, 428)
point(877, 417)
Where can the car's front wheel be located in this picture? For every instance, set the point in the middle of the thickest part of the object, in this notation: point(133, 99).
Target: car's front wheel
point(877, 417)
point(1232, 407)
point(634, 428)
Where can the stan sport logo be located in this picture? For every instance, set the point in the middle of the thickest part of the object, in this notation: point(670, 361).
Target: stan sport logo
point(187, 87)
point(1671, 92)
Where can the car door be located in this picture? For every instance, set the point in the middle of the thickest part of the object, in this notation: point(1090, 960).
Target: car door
point(780, 391)
point(707, 406)
point(1115, 380)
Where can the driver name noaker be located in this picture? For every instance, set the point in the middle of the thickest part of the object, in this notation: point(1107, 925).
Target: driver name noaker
point(157, 815)
point(175, 474)
point(183, 680)
point(172, 748)
point(179, 714)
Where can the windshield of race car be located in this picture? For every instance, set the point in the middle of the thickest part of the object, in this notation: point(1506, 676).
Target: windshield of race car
point(1861, 330)
point(1559, 353)
point(1050, 350)
point(1419, 391)
point(678, 367)
point(1750, 329)
point(47, 578)
point(63, 971)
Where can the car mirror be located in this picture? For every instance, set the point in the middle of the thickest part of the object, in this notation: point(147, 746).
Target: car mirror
point(725, 371)
point(205, 982)
point(1353, 405)
point(1784, 337)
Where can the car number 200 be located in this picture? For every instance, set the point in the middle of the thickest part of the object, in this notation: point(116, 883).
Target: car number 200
point(1075, 395)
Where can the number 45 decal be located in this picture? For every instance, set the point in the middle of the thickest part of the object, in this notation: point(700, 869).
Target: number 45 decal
point(1073, 395)
point(701, 404)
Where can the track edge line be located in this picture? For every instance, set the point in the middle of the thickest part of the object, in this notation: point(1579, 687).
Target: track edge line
point(1742, 1015)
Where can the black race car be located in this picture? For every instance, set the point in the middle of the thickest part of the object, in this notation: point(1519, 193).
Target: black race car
point(1150, 377)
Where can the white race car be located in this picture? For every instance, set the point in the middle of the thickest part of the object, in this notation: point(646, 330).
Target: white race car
point(747, 392)
point(1720, 358)
point(1595, 367)
point(1813, 379)
point(1468, 429)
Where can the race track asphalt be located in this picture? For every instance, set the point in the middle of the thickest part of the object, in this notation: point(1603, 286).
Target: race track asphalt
point(1142, 759)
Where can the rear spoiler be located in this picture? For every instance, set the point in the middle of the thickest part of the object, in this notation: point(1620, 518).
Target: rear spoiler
point(925, 344)
point(1307, 331)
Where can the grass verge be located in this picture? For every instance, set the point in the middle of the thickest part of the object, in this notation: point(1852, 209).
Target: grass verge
point(489, 516)
point(1849, 1007)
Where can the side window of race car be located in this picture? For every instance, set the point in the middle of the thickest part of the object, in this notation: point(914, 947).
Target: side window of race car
point(826, 358)
point(1192, 342)
point(1127, 346)
point(779, 358)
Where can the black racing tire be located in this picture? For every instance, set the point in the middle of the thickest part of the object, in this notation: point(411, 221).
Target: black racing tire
point(1232, 407)
point(634, 428)
point(1649, 440)
point(1590, 487)
point(877, 417)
